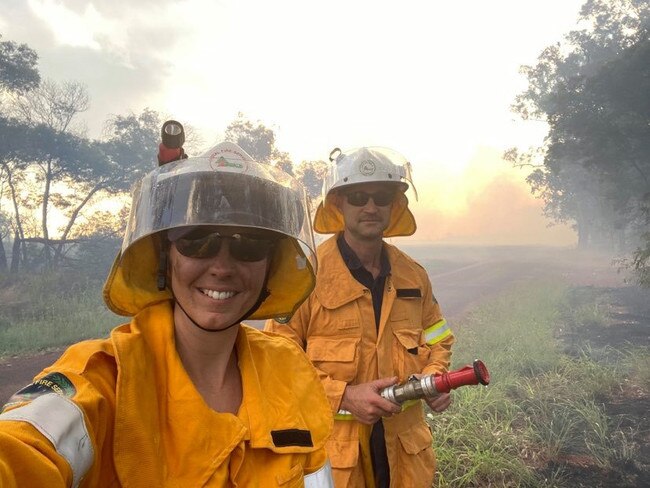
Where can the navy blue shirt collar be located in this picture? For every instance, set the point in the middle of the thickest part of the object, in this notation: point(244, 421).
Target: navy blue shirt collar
point(353, 262)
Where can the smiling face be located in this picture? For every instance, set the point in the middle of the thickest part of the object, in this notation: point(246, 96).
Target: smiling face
point(368, 221)
point(216, 291)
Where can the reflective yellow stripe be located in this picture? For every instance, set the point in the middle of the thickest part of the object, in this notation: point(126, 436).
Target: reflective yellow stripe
point(343, 415)
point(437, 332)
point(409, 404)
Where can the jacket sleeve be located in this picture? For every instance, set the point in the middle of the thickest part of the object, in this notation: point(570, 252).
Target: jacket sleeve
point(438, 335)
point(297, 329)
point(27, 458)
point(51, 431)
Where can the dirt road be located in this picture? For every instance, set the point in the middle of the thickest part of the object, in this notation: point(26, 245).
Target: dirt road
point(461, 277)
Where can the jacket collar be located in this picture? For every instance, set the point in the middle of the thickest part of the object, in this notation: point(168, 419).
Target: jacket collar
point(335, 285)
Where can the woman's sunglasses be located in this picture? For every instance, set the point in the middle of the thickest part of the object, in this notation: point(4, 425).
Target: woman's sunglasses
point(203, 244)
point(360, 198)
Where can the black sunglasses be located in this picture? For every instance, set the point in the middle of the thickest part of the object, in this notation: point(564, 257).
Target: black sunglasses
point(203, 244)
point(360, 198)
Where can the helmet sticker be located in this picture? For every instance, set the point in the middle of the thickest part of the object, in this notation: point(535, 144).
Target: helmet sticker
point(222, 162)
point(367, 167)
point(52, 383)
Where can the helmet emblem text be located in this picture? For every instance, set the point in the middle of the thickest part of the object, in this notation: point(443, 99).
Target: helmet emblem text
point(367, 167)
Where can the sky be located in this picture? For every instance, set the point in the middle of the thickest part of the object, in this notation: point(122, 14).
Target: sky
point(431, 79)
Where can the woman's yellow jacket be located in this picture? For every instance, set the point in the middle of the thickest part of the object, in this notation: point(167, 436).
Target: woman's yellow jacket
point(123, 412)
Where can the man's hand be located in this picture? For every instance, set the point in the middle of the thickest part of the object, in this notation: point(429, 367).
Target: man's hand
point(439, 403)
point(365, 402)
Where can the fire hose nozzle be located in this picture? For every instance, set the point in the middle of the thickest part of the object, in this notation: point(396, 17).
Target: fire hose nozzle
point(430, 386)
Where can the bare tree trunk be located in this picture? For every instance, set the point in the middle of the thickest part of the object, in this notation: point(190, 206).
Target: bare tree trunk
point(584, 234)
point(59, 249)
point(46, 199)
point(15, 255)
point(18, 240)
point(3, 257)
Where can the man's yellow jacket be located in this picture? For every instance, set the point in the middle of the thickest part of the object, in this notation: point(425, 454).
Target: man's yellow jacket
point(123, 412)
point(336, 327)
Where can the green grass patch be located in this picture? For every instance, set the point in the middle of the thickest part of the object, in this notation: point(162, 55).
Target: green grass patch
point(543, 406)
point(52, 311)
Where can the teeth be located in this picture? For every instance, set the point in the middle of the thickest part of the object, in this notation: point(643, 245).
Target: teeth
point(218, 295)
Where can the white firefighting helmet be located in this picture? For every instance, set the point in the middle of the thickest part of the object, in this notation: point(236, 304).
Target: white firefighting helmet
point(366, 165)
point(224, 186)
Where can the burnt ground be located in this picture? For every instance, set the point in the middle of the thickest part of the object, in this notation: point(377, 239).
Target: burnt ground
point(628, 325)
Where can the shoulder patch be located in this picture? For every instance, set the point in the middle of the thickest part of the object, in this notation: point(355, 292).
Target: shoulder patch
point(51, 383)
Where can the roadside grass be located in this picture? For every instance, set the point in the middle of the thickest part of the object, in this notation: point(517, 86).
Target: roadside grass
point(543, 411)
point(48, 312)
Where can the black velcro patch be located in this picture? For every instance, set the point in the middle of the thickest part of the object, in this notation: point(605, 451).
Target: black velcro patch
point(409, 293)
point(292, 437)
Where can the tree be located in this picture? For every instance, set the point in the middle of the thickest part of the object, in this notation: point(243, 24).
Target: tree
point(258, 141)
point(254, 138)
point(312, 173)
point(79, 170)
point(586, 174)
point(110, 168)
point(18, 72)
point(49, 111)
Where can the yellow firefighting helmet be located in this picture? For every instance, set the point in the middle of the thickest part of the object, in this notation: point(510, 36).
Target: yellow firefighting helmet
point(224, 186)
point(366, 165)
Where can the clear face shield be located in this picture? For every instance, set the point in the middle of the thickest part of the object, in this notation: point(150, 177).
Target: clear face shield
point(212, 191)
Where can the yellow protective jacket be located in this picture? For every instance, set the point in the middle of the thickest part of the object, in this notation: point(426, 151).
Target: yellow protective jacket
point(123, 412)
point(336, 327)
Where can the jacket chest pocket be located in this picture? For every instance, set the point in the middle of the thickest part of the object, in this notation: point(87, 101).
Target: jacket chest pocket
point(337, 357)
point(409, 350)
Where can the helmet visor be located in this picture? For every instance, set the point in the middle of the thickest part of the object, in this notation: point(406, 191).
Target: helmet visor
point(208, 192)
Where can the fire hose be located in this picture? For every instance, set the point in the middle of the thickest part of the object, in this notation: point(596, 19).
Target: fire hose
point(429, 386)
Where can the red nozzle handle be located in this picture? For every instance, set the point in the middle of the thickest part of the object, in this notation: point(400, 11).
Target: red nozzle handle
point(469, 375)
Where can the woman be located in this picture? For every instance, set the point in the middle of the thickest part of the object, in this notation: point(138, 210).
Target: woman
point(184, 395)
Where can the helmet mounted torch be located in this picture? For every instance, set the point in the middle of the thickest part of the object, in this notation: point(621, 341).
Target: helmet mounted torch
point(171, 149)
point(429, 386)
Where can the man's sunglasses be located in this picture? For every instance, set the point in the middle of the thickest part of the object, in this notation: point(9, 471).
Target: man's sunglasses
point(360, 198)
point(203, 244)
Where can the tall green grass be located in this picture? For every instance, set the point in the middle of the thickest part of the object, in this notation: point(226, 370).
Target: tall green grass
point(543, 405)
point(50, 311)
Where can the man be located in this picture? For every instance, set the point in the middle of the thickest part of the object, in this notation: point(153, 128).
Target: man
point(371, 322)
